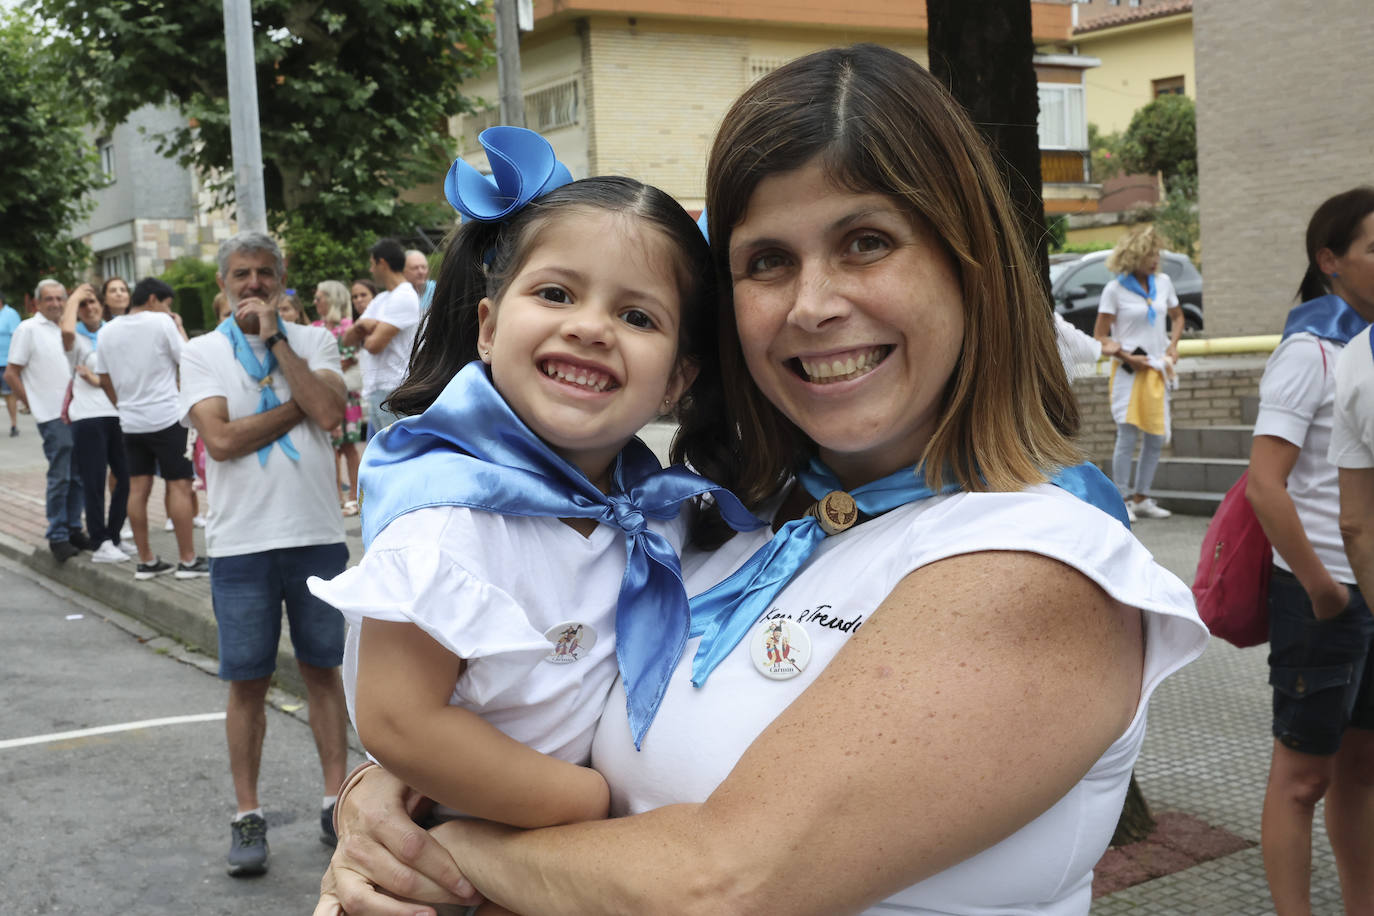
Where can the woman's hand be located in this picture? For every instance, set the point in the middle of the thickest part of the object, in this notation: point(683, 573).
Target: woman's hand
point(1172, 351)
point(380, 844)
point(1330, 600)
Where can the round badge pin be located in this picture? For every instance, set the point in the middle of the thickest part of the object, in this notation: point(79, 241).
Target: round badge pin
point(571, 641)
point(781, 649)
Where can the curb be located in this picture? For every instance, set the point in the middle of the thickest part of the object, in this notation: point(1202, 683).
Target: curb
point(192, 626)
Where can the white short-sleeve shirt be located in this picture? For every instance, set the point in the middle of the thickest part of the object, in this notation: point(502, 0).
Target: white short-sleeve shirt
point(499, 591)
point(700, 733)
point(88, 401)
point(1297, 400)
point(140, 352)
point(383, 371)
point(1131, 326)
point(1352, 430)
point(37, 346)
point(285, 503)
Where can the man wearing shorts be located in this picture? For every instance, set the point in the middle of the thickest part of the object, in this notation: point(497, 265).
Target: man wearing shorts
point(137, 361)
point(264, 396)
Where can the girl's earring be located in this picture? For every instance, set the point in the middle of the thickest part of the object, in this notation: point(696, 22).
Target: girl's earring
point(667, 405)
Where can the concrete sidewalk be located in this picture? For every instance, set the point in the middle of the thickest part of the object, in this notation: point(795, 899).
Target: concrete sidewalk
point(1206, 753)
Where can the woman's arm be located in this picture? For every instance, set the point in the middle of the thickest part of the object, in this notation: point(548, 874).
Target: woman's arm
point(1175, 331)
point(1271, 461)
point(450, 754)
point(954, 717)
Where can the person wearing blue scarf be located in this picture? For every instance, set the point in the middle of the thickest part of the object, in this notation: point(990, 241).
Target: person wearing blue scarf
point(1321, 632)
point(1131, 319)
point(919, 688)
point(522, 544)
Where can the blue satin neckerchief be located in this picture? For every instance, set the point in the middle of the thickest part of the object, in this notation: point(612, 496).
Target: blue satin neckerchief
point(724, 614)
point(1328, 317)
point(470, 449)
point(262, 374)
point(1131, 283)
point(88, 333)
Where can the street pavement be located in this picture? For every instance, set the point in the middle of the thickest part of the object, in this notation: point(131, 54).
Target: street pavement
point(135, 821)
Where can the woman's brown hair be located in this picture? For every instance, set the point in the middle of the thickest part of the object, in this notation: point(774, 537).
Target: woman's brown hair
point(878, 122)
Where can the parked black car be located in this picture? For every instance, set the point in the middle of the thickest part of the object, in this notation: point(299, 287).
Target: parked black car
point(1077, 284)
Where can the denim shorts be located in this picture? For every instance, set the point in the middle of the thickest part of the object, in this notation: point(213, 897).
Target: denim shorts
point(248, 591)
point(1320, 669)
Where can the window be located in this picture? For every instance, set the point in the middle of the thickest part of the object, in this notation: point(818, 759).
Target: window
point(1062, 122)
point(1091, 278)
point(1170, 85)
point(553, 106)
point(105, 146)
point(118, 262)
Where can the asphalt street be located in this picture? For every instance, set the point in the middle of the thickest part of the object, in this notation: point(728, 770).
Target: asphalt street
point(134, 820)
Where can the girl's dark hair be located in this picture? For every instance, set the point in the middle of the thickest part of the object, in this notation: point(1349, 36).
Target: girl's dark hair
point(447, 338)
point(877, 122)
point(1335, 225)
point(366, 283)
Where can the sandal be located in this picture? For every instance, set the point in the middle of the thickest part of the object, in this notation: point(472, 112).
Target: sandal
point(350, 508)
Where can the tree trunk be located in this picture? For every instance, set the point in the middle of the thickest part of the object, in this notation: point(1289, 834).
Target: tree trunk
point(1136, 821)
point(983, 53)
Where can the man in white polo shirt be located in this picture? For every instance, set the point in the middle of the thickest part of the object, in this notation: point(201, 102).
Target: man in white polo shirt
point(39, 369)
point(386, 334)
point(264, 397)
point(137, 361)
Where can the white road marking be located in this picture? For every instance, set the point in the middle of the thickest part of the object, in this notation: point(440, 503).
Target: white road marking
point(107, 729)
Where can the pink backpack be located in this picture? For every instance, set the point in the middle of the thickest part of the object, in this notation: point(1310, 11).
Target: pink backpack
point(1232, 582)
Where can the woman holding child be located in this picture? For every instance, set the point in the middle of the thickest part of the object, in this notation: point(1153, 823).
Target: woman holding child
point(923, 745)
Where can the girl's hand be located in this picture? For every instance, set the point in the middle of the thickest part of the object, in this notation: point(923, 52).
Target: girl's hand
point(381, 846)
point(1330, 601)
point(1172, 352)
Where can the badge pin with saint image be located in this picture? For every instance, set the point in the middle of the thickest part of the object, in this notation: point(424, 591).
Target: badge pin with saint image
point(780, 648)
point(571, 642)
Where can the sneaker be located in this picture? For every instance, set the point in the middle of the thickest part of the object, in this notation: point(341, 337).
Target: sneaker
point(149, 570)
point(327, 835)
point(126, 533)
point(80, 541)
point(14, 431)
point(248, 846)
point(198, 521)
point(1148, 508)
point(62, 551)
point(128, 548)
point(194, 570)
point(169, 526)
point(107, 552)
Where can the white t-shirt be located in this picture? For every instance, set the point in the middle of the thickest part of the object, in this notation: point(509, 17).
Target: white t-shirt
point(1131, 325)
point(37, 346)
point(383, 371)
point(140, 352)
point(285, 503)
point(1352, 430)
point(1075, 348)
point(1297, 397)
point(700, 733)
point(88, 401)
point(498, 590)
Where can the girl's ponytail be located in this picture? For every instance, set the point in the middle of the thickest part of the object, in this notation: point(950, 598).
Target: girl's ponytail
point(447, 338)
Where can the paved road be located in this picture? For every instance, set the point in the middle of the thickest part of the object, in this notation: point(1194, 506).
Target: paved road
point(133, 821)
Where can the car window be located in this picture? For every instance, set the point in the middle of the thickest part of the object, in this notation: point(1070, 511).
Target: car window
point(1092, 277)
point(1174, 269)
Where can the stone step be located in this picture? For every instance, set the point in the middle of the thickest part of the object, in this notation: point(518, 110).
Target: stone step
point(1211, 475)
point(1212, 441)
point(1188, 502)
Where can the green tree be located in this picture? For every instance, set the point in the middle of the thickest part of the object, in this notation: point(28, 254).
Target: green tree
point(313, 255)
point(353, 95)
point(1162, 137)
point(1105, 153)
point(49, 165)
point(1176, 218)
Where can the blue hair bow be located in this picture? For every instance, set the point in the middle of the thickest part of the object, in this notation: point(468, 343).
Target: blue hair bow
point(523, 167)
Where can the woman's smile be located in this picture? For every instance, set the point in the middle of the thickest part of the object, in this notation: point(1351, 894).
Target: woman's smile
point(839, 367)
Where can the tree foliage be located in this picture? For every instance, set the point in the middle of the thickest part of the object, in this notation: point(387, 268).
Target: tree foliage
point(49, 165)
point(314, 255)
point(353, 95)
point(1162, 137)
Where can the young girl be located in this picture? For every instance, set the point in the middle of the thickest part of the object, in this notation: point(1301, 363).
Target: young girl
point(521, 543)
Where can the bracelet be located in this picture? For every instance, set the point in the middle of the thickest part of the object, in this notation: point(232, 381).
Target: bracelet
point(351, 780)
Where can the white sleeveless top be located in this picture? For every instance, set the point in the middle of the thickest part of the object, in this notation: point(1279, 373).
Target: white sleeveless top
point(1046, 866)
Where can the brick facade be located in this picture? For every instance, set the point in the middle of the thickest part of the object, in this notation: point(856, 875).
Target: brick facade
point(1285, 95)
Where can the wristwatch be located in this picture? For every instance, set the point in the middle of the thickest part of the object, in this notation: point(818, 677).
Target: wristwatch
point(272, 341)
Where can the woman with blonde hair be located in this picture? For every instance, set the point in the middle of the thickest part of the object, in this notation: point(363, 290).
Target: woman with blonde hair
point(952, 724)
point(1131, 319)
point(335, 308)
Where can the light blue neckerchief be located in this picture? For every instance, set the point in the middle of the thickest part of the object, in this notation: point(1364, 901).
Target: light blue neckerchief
point(1129, 281)
point(262, 374)
point(470, 449)
point(89, 334)
point(1329, 317)
point(724, 614)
